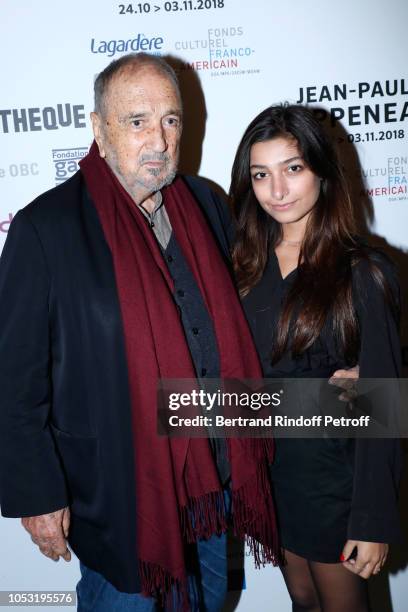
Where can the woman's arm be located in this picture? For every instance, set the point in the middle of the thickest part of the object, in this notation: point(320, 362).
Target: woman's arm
point(374, 516)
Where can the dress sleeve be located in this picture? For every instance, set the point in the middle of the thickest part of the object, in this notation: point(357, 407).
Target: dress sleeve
point(31, 477)
point(374, 514)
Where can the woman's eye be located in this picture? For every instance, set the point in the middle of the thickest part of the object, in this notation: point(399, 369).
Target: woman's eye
point(295, 168)
point(258, 175)
point(136, 122)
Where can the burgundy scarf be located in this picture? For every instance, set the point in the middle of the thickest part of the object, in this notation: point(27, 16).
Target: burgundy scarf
point(178, 494)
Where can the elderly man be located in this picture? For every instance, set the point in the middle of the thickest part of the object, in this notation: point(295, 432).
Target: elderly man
point(107, 283)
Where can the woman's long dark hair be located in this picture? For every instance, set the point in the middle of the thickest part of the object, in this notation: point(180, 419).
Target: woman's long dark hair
point(329, 248)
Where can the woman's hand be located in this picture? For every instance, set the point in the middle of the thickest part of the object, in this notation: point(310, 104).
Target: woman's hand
point(369, 560)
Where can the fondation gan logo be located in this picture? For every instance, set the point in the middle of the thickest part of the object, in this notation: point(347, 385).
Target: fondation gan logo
point(66, 162)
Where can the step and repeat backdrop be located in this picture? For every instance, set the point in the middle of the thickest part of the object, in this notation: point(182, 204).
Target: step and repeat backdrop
point(234, 58)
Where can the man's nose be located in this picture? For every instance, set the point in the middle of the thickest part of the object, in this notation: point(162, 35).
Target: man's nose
point(157, 139)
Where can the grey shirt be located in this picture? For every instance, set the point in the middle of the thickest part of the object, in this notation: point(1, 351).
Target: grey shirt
point(159, 221)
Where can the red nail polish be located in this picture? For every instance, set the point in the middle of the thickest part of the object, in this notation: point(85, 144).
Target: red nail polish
point(342, 557)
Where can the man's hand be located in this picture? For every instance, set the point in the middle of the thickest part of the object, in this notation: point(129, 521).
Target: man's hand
point(346, 379)
point(49, 532)
point(370, 557)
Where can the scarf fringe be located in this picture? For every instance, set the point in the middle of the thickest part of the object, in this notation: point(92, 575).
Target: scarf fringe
point(259, 530)
point(171, 593)
point(203, 517)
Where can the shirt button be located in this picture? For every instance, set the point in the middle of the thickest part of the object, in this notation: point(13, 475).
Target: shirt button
point(169, 258)
point(195, 330)
point(203, 371)
point(180, 293)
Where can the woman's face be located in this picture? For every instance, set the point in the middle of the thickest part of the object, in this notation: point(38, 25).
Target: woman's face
point(283, 184)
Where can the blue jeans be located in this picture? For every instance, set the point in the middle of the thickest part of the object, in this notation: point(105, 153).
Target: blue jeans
point(207, 586)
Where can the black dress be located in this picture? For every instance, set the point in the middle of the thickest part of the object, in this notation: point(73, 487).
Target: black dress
point(330, 490)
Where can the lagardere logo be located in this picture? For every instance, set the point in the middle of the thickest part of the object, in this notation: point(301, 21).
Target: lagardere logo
point(140, 43)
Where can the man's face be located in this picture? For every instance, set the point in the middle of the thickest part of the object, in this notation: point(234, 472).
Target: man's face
point(139, 130)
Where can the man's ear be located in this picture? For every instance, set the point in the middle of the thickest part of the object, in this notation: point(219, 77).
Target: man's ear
point(97, 130)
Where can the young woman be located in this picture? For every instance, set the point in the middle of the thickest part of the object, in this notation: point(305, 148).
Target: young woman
point(317, 300)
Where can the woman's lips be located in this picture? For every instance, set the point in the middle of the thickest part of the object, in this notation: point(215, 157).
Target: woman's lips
point(284, 206)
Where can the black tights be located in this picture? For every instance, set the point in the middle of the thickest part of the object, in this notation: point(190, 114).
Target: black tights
point(323, 587)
